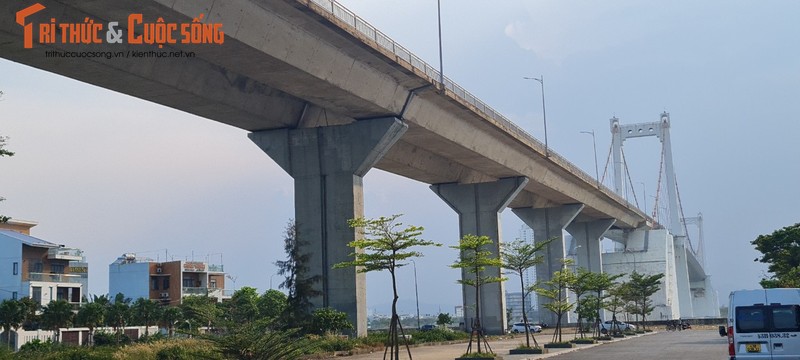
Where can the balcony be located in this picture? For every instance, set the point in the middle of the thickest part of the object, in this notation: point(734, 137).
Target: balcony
point(61, 278)
point(216, 268)
point(210, 292)
point(65, 254)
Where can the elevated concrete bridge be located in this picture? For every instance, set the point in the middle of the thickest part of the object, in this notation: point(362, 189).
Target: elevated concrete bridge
point(328, 97)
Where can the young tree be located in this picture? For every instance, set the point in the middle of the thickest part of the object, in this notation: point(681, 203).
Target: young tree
point(641, 287)
point(57, 314)
point(91, 315)
point(30, 309)
point(781, 250)
point(297, 282)
point(444, 319)
point(599, 283)
point(12, 314)
point(518, 257)
point(200, 311)
point(555, 290)
point(580, 287)
point(145, 312)
point(384, 244)
point(614, 303)
point(474, 257)
point(326, 321)
point(271, 305)
point(243, 306)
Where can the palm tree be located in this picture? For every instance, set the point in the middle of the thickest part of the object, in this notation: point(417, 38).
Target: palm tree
point(145, 312)
point(56, 315)
point(91, 315)
point(12, 314)
point(169, 317)
point(118, 314)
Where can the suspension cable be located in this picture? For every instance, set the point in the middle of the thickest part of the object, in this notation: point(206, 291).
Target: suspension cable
point(628, 174)
point(658, 186)
point(680, 207)
point(608, 160)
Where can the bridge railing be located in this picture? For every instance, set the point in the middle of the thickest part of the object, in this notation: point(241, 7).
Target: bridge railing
point(365, 29)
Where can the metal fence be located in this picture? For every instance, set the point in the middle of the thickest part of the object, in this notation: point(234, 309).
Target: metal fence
point(358, 25)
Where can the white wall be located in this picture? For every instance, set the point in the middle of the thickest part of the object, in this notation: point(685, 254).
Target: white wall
point(132, 280)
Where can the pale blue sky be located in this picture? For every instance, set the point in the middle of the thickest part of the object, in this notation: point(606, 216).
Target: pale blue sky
point(112, 174)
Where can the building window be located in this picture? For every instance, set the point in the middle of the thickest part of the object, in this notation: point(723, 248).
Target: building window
point(154, 283)
point(57, 268)
point(36, 267)
point(188, 282)
point(16, 268)
point(36, 294)
point(14, 295)
point(166, 283)
point(212, 283)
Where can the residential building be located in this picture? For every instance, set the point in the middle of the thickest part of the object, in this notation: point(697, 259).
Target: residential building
point(35, 268)
point(168, 282)
point(514, 306)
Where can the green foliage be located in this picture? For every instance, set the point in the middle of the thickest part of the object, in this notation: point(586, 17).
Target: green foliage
point(169, 349)
point(200, 310)
point(256, 341)
point(169, 317)
point(444, 319)
point(57, 314)
point(145, 312)
point(243, 306)
point(474, 258)
point(331, 343)
point(555, 290)
point(272, 304)
point(599, 283)
point(297, 282)
point(329, 321)
point(438, 335)
point(12, 314)
point(781, 250)
point(385, 245)
point(640, 289)
point(518, 257)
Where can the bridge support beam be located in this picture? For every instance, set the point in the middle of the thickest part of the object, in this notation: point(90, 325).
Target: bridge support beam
point(328, 164)
point(478, 207)
point(549, 223)
point(587, 236)
point(682, 276)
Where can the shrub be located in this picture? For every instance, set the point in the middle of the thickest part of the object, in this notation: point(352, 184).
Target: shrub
point(438, 335)
point(335, 343)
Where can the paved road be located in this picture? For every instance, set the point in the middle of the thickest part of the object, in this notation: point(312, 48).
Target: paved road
point(685, 345)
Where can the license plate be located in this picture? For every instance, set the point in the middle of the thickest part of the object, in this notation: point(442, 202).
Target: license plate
point(753, 347)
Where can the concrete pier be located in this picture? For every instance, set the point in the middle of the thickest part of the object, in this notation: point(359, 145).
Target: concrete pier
point(478, 207)
point(328, 164)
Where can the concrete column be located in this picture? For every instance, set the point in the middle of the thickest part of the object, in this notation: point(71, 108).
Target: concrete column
point(682, 277)
point(328, 164)
point(549, 223)
point(587, 236)
point(478, 207)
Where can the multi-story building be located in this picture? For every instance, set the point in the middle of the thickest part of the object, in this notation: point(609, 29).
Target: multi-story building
point(168, 282)
point(41, 270)
point(514, 306)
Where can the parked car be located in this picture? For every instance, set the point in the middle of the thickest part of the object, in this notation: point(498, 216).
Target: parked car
point(520, 328)
point(607, 326)
point(427, 327)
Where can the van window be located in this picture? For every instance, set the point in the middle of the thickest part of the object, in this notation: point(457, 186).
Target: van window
point(751, 319)
point(785, 318)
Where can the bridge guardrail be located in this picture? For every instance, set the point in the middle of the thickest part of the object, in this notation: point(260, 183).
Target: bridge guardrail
point(364, 28)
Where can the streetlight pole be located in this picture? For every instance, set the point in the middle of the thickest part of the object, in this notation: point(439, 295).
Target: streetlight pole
point(416, 291)
point(594, 145)
point(540, 79)
point(441, 61)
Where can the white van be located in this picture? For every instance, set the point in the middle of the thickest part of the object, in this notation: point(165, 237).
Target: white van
point(763, 324)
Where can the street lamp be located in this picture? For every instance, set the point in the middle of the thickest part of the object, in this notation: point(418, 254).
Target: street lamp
point(416, 291)
point(594, 145)
point(540, 79)
point(441, 61)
